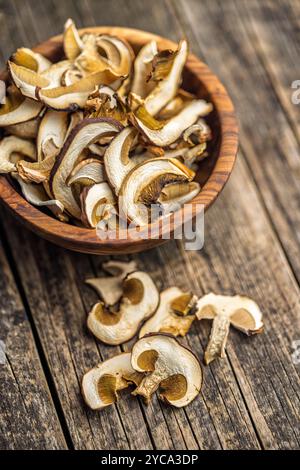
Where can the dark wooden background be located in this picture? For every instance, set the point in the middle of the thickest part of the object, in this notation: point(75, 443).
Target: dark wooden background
point(249, 400)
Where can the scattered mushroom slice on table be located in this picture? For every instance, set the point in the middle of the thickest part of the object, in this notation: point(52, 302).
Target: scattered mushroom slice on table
point(110, 289)
point(169, 366)
point(174, 314)
point(241, 312)
point(139, 301)
point(101, 384)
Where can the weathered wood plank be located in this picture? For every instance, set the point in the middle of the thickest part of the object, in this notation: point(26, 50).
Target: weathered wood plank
point(28, 419)
point(267, 138)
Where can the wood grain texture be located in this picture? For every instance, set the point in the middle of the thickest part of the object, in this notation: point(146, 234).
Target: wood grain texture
point(212, 174)
point(249, 400)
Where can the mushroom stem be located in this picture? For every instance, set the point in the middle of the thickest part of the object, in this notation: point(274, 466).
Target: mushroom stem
point(217, 339)
point(150, 384)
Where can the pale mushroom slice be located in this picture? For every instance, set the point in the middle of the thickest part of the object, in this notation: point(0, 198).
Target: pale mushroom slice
point(174, 314)
point(87, 172)
point(143, 185)
point(101, 384)
point(241, 312)
point(13, 144)
point(116, 158)
point(174, 196)
point(84, 134)
point(18, 109)
point(164, 133)
point(51, 134)
point(31, 60)
point(170, 367)
point(27, 80)
point(36, 172)
point(96, 201)
point(141, 86)
point(139, 301)
point(73, 45)
point(110, 289)
point(167, 88)
point(118, 52)
point(36, 195)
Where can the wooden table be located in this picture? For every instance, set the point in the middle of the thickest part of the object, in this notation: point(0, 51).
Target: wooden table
point(251, 400)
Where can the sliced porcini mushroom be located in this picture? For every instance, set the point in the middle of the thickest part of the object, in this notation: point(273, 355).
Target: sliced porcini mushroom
point(116, 158)
point(174, 106)
point(36, 195)
point(118, 52)
point(166, 89)
point(110, 289)
point(26, 130)
point(198, 133)
point(139, 301)
point(27, 80)
point(241, 312)
point(174, 315)
point(106, 103)
point(31, 60)
point(96, 200)
point(143, 185)
point(169, 366)
point(141, 86)
point(165, 133)
point(87, 172)
point(51, 134)
point(18, 109)
point(73, 45)
point(101, 384)
point(35, 172)
point(13, 144)
point(174, 196)
point(85, 133)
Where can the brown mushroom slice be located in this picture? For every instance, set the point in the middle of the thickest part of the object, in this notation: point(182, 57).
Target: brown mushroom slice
point(28, 81)
point(51, 134)
point(174, 314)
point(106, 103)
point(116, 158)
point(96, 200)
point(31, 60)
point(13, 144)
point(35, 172)
point(110, 289)
point(101, 384)
point(143, 185)
point(18, 109)
point(166, 89)
point(174, 196)
point(141, 86)
point(85, 133)
point(139, 301)
point(89, 171)
point(163, 133)
point(36, 195)
point(238, 311)
point(170, 367)
point(25, 130)
point(73, 45)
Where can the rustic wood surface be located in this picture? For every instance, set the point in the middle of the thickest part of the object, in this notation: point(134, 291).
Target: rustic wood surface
point(251, 399)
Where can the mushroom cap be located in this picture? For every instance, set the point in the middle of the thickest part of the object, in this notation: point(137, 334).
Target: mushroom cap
point(170, 366)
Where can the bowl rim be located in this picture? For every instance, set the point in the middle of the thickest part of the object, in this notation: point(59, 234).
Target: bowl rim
point(86, 239)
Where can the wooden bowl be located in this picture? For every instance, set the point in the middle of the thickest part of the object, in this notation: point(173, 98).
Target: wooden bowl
point(213, 172)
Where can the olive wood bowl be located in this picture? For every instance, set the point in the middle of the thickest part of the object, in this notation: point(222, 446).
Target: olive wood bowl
point(212, 174)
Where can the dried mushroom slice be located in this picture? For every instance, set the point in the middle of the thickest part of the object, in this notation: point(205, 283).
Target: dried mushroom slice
point(163, 133)
point(169, 366)
point(31, 60)
point(143, 185)
point(85, 133)
point(10, 145)
point(73, 45)
point(110, 289)
point(51, 134)
point(238, 311)
point(101, 384)
point(106, 103)
point(141, 86)
point(96, 202)
point(18, 109)
point(139, 301)
point(35, 172)
point(87, 172)
point(25, 130)
point(174, 196)
point(167, 88)
point(118, 52)
point(37, 196)
point(176, 105)
point(174, 314)
point(27, 80)
point(197, 133)
point(116, 158)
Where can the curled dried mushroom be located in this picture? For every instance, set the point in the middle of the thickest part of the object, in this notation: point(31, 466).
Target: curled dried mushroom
point(238, 311)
